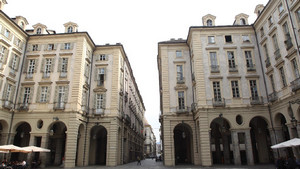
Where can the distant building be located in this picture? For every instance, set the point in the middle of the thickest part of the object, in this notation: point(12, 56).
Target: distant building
point(150, 140)
point(230, 92)
point(63, 92)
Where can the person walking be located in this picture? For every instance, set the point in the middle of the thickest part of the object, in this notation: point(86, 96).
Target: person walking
point(138, 160)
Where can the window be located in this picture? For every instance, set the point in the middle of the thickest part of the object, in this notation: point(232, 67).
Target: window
point(7, 33)
point(211, 39)
point(242, 21)
point(100, 102)
point(103, 57)
point(231, 62)
point(272, 83)
point(209, 22)
point(275, 43)
point(22, 25)
point(181, 104)
point(14, 62)
point(50, 47)
point(179, 69)
point(38, 31)
point(100, 76)
point(228, 39)
point(63, 67)
point(280, 8)
point(44, 94)
point(61, 96)
point(70, 29)
point(3, 54)
point(282, 76)
point(288, 40)
point(295, 68)
point(47, 67)
point(7, 92)
point(262, 32)
point(245, 38)
point(253, 89)
point(178, 53)
point(235, 89)
point(214, 62)
point(270, 21)
point(298, 15)
point(249, 60)
point(35, 47)
point(26, 96)
point(31, 68)
point(217, 92)
point(67, 46)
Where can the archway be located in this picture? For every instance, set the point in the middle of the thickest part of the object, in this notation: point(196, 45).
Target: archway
point(220, 141)
point(80, 148)
point(261, 142)
point(98, 143)
point(21, 139)
point(183, 144)
point(57, 143)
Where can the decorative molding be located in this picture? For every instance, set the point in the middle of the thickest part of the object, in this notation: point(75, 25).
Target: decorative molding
point(62, 82)
point(45, 83)
point(100, 89)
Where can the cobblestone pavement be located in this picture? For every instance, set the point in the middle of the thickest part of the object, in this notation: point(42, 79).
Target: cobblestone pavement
point(151, 164)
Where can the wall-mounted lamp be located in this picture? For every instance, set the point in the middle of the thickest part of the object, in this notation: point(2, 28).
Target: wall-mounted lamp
point(55, 118)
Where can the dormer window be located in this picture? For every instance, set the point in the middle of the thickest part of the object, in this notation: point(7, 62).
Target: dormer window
point(70, 29)
point(209, 22)
point(22, 25)
point(38, 31)
point(242, 21)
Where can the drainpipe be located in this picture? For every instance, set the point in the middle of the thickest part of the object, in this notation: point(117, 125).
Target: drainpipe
point(16, 95)
point(265, 85)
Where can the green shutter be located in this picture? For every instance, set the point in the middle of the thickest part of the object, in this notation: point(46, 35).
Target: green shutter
point(56, 94)
point(48, 94)
point(4, 91)
point(66, 94)
point(104, 101)
point(43, 65)
point(12, 93)
point(31, 94)
point(59, 65)
point(25, 68)
point(36, 65)
point(38, 95)
point(17, 63)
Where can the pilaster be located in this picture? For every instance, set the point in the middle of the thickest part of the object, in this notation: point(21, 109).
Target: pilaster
point(236, 147)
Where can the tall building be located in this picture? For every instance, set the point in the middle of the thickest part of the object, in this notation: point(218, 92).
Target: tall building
point(63, 92)
point(227, 93)
point(150, 140)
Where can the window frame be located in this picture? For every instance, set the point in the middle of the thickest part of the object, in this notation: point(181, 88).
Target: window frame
point(211, 39)
point(282, 77)
point(235, 88)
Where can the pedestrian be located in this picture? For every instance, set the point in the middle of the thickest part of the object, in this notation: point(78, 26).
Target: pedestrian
point(280, 163)
point(291, 163)
point(138, 160)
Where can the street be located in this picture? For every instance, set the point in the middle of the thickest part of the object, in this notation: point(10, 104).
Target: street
point(151, 164)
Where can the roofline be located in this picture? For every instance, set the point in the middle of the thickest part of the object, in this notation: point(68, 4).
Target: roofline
point(265, 8)
point(10, 19)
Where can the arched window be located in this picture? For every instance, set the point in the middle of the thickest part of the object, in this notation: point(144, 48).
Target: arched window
point(209, 22)
point(70, 29)
point(22, 25)
point(258, 12)
point(38, 31)
point(242, 21)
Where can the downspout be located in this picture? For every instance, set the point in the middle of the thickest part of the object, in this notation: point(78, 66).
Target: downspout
point(16, 95)
point(293, 27)
point(265, 85)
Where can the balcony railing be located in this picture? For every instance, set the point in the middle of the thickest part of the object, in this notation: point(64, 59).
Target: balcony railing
point(99, 111)
point(180, 80)
point(268, 62)
point(277, 54)
point(182, 109)
point(214, 68)
point(273, 97)
point(251, 67)
point(218, 102)
point(256, 100)
point(7, 104)
point(295, 85)
point(233, 68)
point(23, 106)
point(59, 105)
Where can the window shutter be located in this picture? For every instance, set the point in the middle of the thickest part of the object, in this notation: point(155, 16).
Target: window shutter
point(48, 94)
point(39, 47)
point(21, 94)
point(2, 30)
point(21, 45)
point(36, 64)
point(17, 63)
point(71, 45)
point(95, 100)
point(25, 68)
point(59, 65)
point(31, 94)
point(1, 82)
point(43, 65)
point(56, 94)
point(11, 60)
point(107, 56)
point(96, 74)
point(67, 64)
point(52, 64)
point(12, 93)
point(55, 46)
point(97, 57)
point(45, 47)
point(38, 95)
point(104, 73)
point(29, 47)
point(66, 94)
point(5, 56)
point(62, 46)
point(104, 101)
point(4, 93)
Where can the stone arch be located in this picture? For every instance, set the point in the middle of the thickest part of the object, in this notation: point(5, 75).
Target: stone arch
point(98, 145)
point(22, 137)
point(183, 143)
point(260, 139)
point(57, 142)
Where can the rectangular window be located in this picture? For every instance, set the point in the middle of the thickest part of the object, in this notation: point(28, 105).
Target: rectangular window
point(262, 32)
point(211, 39)
point(50, 47)
point(231, 62)
point(280, 8)
point(47, 68)
point(63, 67)
point(178, 53)
point(253, 89)
point(7, 33)
point(266, 51)
point(270, 21)
point(282, 76)
point(213, 59)
point(249, 60)
point(31, 68)
point(26, 96)
point(35, 47)
point(67, 46)
point(61, 94)
point(228, 39)
point(217, 92)
point(102, 57)
point(7, 92)
point(298, 15)
point(181, 104)
point(288, 39)
point(235, 89)
point(100, 76)
point(44, 93)
point(3, 52)
point(245, 38)
point(14, 62)
point(99, 101)
point(295, 68)
point(179, 69)
point(275, 42)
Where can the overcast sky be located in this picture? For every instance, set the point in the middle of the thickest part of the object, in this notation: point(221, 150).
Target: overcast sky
point(138, 24)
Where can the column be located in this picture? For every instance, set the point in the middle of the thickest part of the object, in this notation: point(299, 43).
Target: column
point(168, 148)
point(248, 144)
point(44, 144)
point(293, 134)
point(273, 141)
point(31, 143)
point(226, 148)
point(236, 147)
point(280, 138)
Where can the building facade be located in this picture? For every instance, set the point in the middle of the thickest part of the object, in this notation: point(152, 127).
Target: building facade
point(150, 141)
point(63, 92)
point(229, 92)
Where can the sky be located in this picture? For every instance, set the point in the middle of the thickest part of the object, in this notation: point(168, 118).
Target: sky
point(137, 24)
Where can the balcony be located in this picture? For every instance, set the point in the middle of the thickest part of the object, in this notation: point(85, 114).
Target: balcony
point(214, 69)
point(233, 68)
point(256, 100)
point(59, 105)
point(24, 106)
point(273, 97)
point(218, 102)
point(182, 109)
point(268, 62)
point(277, 54)
point(98, 111)
point(251, 67)
point(180, 80)
point(7, 104)
point(295, 85)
